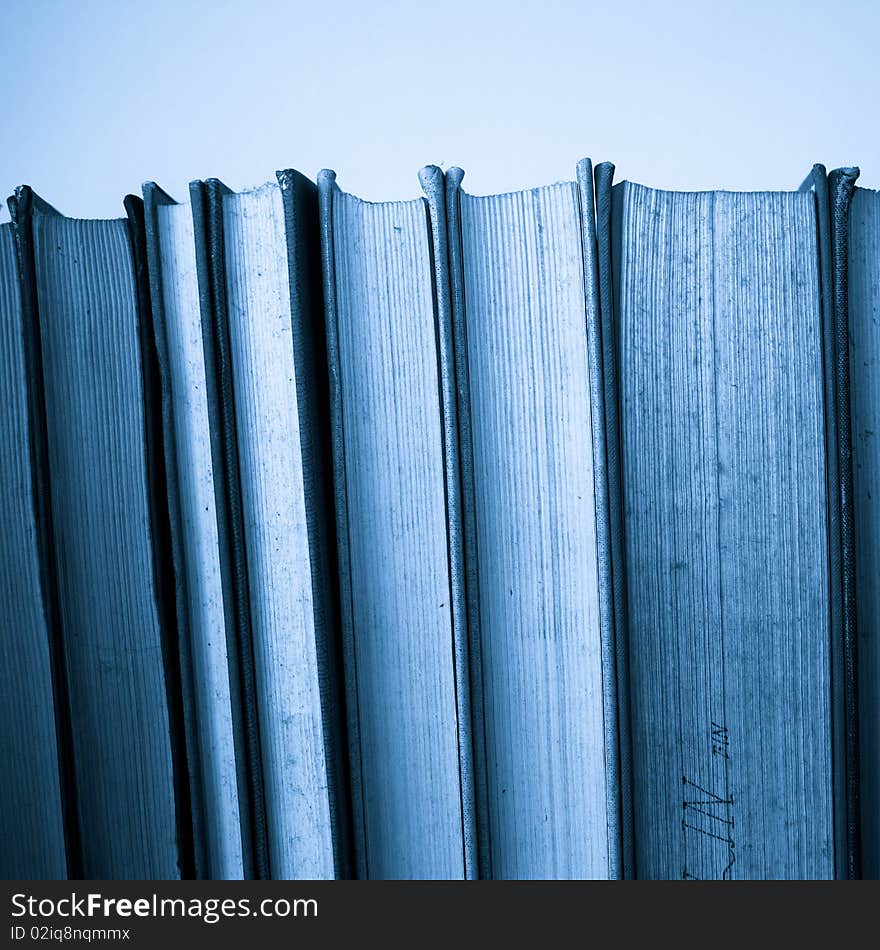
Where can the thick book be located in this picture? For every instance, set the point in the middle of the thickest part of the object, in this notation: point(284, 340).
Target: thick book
point(250, 316)
point(80, 284)
point(719, 312)
point(864, 350)
point(399, 562)
point(32, 823)
point(525, 320)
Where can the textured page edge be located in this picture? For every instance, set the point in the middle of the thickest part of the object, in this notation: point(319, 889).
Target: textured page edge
point(453, 179)
point(302, 231)
point(327, 189)
point(603, 178)
point(845, 788)
point(22, 207)
point(207, 207)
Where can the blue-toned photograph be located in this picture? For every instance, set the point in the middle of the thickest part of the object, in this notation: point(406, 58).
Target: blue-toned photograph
point(438, 443)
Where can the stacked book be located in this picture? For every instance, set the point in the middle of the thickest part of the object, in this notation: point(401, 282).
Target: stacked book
point(531, 535)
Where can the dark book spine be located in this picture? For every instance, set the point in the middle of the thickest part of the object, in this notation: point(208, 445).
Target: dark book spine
point(604, 176)
point(841, 186)
point(817, 182)
point(605, 554)
point(327, 188)
point(434, 185)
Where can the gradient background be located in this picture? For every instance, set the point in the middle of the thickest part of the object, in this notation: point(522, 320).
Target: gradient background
point(100, 95)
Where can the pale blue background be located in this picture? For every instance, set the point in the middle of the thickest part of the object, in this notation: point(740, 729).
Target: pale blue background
point(99, 95)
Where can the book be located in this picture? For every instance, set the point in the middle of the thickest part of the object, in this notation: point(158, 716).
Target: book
point(205, 614)
point(525, 313)
point(721, 325)
point(863, 259)
point(32, 809)
point(80, 284)
point(834, 190)
point(402, 606)
point(284, 610)
point(238, 295)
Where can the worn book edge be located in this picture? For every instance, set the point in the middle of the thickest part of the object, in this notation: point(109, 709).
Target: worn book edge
point(433, 184)
point(327, 191)
point(299, 198)
point(21, 208)
point(605, 228)
point(207, 208)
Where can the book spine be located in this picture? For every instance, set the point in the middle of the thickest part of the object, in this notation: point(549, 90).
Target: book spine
point(433, 184)
point(31, 808)
point(832, 215)
point(327, 190)
point(207, 198)
point(817, 182)
point(604, 176)
point(457, 316)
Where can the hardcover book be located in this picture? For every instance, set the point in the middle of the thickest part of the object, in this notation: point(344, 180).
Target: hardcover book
point(729, 508)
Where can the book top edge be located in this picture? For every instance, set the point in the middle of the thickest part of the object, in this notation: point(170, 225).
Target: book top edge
point(706, 191)
point(71, 219)
point(517, 193)
point(255, 191)
point(403, 203)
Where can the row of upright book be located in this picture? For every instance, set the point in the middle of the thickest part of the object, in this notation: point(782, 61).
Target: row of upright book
point(531, 535)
